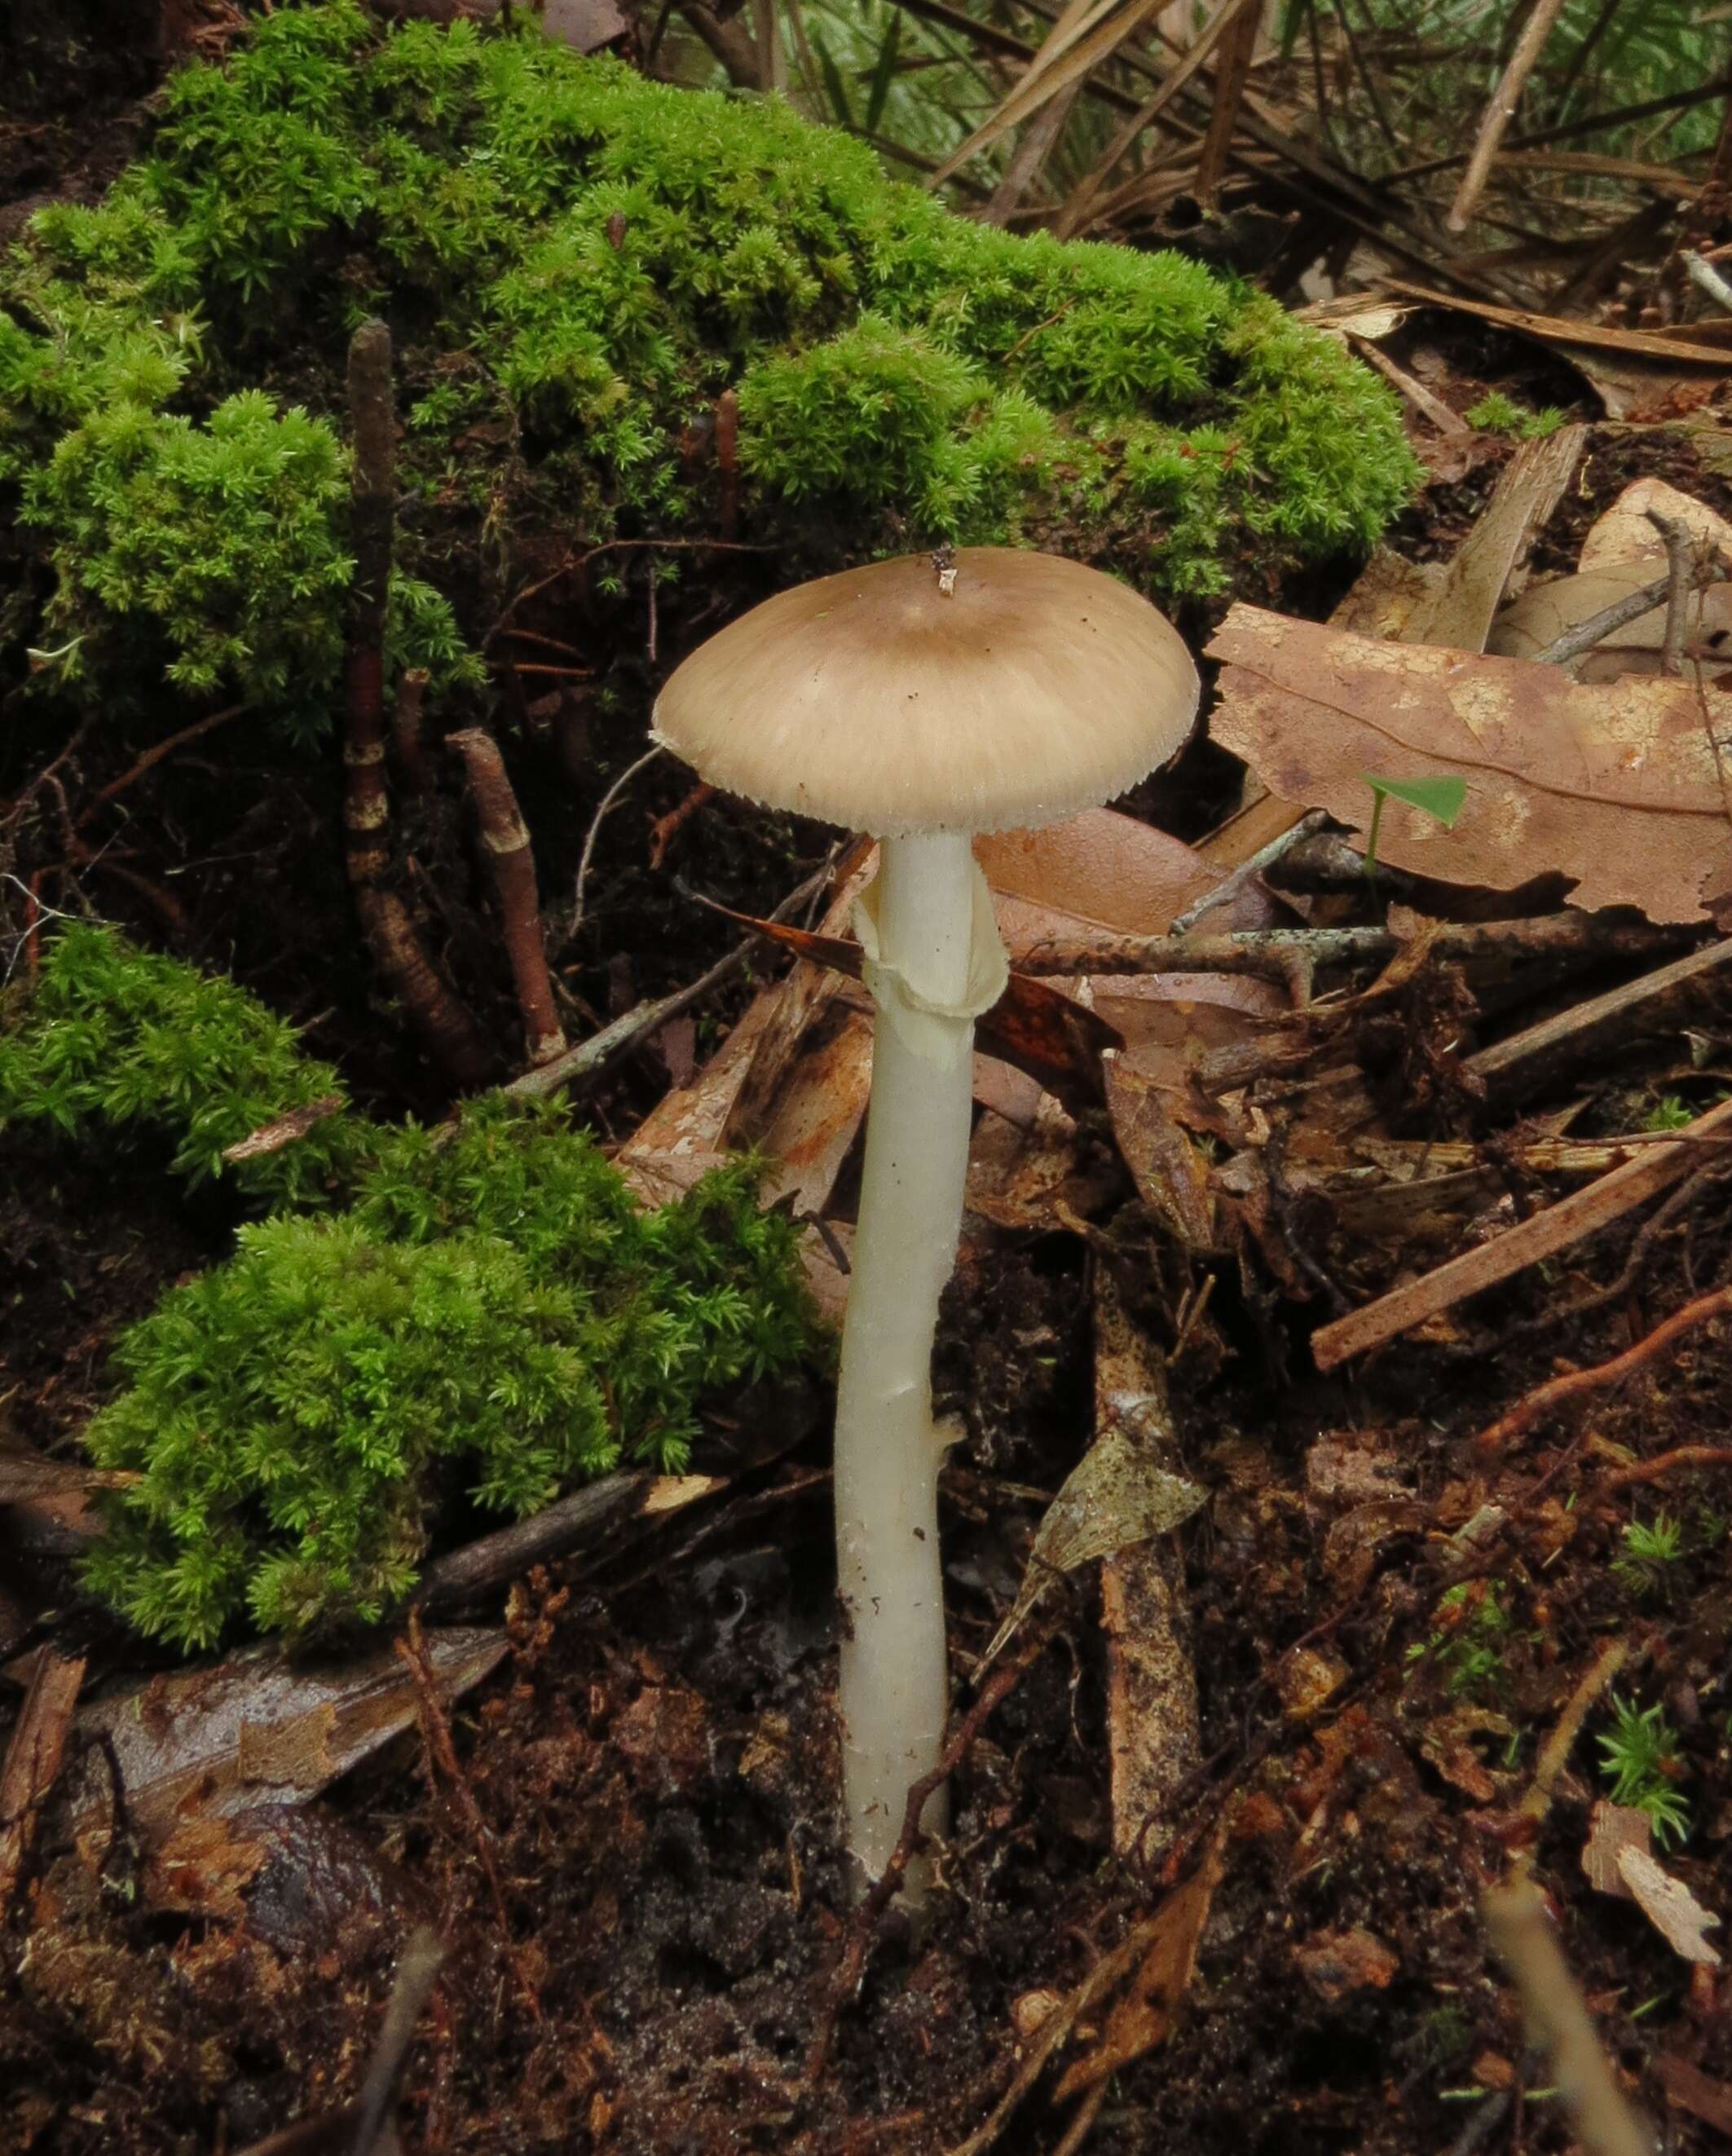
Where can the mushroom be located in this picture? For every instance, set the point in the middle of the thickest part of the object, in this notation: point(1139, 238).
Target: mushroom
point(921, 700)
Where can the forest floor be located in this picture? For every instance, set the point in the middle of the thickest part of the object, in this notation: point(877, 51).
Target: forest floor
point(622, 1831)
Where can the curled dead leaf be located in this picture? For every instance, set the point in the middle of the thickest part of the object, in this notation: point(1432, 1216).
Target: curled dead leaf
point(1616, 785)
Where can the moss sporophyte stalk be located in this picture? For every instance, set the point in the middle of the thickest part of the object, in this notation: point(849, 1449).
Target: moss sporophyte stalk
point(576, 263)
point(473, 1318)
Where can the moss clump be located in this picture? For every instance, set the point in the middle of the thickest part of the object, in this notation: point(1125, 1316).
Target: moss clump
point(489, 1317)
point(576, 262)
point(118, 1038)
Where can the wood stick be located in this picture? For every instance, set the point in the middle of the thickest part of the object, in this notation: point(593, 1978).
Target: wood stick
point(387, 925)
point(1273, 952)
point(591, 1056)
point(1584, 635)
point(505, 840)
point(607, 1508)
point(1499, 112)
point(1544, 1399)
point(1584, 1212)
point(1519, 1066)
point(1232, 73)
point(32, 1759)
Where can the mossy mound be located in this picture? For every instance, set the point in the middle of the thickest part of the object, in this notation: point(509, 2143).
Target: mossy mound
point(577, 264)
point(480, 1315)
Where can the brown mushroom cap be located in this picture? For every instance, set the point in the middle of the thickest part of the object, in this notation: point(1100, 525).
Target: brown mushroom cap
point(1036, 688)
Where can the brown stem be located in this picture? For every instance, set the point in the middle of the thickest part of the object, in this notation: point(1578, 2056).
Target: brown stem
point(406, 729)
point(444, 1026)
point(727, 459)
point(366, 806)
point(505, 839)
point(665, 829)
point(1544, 1399)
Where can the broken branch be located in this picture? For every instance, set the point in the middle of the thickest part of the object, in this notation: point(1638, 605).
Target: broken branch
point(1584, 1212)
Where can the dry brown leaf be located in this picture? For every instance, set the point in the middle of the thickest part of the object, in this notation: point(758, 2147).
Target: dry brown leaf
point(1624, 534)
point(1668, 1905)
point(1611, 1829)
point(252, 1729)
point(1615, 786)
point(1142, 2018)
point(1114, 1495)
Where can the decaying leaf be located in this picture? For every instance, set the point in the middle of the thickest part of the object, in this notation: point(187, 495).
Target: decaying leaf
point(253, 1730)
point(1140, 2020)
point(1611, 1829)
point(1624, 533)
point(1614, 785)
point(1668, 1905)
point(1113, 1497)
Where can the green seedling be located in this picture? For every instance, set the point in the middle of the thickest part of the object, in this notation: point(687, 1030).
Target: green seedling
point(1441, 798)
point(1669, 1114)
point(1641, 1760)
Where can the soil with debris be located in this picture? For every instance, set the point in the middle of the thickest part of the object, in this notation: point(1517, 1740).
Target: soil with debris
point(624, 1835)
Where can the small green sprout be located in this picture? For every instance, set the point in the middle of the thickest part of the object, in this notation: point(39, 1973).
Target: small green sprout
point(1641, 1762)
point(1671, 1114)
point(1442, 800)
point(1650, 1551)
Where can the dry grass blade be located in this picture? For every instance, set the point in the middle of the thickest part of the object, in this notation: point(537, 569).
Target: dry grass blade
point(1233, 76)
point(1084, 203)
point(1501, 110)
point(1081, 57)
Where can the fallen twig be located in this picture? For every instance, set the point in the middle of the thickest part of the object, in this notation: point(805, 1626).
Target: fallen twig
point(1249, 870)
point(1583, 1213)
point(1557, 1747)
point(387, 925)
point(436, 1732)
point(361, 2128)
point(1544, 1399)
point(1275, 952)
point(1584, 635)
point(1517, 1066)
point(33, 1760)
point(1669, 1463)
point(1501, 110)
point(665, 829)
point(610, 1506)
point(602, 806)
point(589, 1056)
point(505, 839)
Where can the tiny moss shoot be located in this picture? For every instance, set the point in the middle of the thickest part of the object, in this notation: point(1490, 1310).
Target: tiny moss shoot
point(575, 263)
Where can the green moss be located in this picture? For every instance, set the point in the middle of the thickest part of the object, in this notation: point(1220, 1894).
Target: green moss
point(576, 262)
point(116, 1039)
point(1495, 413)
point(488, 1318)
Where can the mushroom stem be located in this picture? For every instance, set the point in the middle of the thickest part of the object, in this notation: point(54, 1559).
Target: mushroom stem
point(894, 1682)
